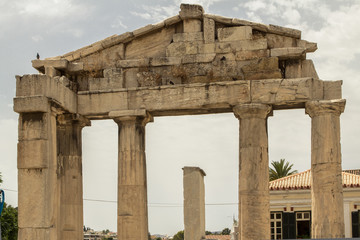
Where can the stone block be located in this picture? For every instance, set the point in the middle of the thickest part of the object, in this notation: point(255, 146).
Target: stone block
point(262, 64)
point(107, 83)
point(34, 233)
point(51, 71)
point(289, 32)
point(32, 198)
point(230, 34)
point(148, 28)
point(144, 62)
point(188, 37)
point(130, 76)
point(209, 30)
point(172, 20)
point(280, 41)
point(225, 47)
point(288, 53)
point(191, 11)
point(112, 72)
point(332, 90)
point(198, 58)
point(33, 126)
point(266, 74)
point(192, 25)
point(208, 48)
point(244, 55)
point(165, 61)
point(180, 49)
point(300, 68)
point(281, 91)
point(32, 154)
point(31, 104)
point(309, 46)
point(91, 104)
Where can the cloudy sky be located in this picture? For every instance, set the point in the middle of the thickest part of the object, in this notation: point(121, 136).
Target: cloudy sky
point(55, 27)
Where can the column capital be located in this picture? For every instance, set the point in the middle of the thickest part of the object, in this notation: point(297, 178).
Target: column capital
point(71, 118)
point(320, 107)
point(252, 110)
point(140, 115)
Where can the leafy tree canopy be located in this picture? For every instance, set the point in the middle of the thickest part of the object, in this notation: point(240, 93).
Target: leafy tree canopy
point(225, 231)
point(280, 169)
point(179, 236)
point(9, 224)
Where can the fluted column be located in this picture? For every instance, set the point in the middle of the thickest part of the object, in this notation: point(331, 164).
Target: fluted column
point(254, 205)
point(326, 173)
point(69, 157)
point(132, 188)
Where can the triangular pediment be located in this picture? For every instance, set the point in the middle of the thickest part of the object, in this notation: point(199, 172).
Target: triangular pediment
point(192, 47)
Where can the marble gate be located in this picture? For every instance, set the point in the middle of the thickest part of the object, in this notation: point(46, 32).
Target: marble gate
point(192, 63)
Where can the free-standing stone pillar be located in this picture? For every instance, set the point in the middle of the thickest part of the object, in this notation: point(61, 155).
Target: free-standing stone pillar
point(326, 191)
point(194, 203)
point(69, 154)
point(38, 197)
point(254, 200)
point(132, 189)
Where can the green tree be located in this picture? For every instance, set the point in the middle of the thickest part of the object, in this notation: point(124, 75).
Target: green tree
point(9, 224)
point(208, 233)
point(225, 231)
point(179, 236)
point(0, 178)
point(280, 169)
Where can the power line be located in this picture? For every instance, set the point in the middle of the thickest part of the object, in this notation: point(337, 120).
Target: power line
point(149, 204)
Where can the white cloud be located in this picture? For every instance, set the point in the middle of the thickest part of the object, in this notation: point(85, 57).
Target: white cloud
point(118, 23)
point(255, 5)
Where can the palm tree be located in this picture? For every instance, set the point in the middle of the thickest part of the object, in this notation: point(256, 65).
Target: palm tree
point(280, 169)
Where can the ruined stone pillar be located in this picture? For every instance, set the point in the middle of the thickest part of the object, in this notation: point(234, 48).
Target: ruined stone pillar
point(69, 157)
point(194, 203)
point(326, 191)
point(132, 189)
point(254, 200)
point(38, 197)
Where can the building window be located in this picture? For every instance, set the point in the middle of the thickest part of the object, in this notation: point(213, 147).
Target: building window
point(276, 225)
point(355, 217)
point(303, 224)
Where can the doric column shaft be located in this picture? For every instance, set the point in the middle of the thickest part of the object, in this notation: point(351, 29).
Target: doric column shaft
point(69, 157)
point(132, 188)
point(254, 209)
point(326, 173)
point(38, 186)
point(194, 203)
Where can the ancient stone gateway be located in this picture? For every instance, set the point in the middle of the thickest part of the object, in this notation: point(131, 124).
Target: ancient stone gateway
point(192, 63)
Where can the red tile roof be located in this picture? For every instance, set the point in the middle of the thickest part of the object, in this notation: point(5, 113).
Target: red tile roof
point(303, 181)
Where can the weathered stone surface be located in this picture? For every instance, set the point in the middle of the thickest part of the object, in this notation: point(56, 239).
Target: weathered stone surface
point(209, 30)
point(332, 90)
point(229, 34)
point(198, 58)
point(153, 45)
point(58, 64)
point(300, 68)
point(41, 85)
point(288, 53)
point(249, 55)
point(326, 192)
point(106, 83)
point(132, 194)
point(194, 203)
point(279, 41)
point(165, 61)
point(254, 196)
point(148, 28)
point(309, 46)
point(180, 49)
point(191, 11)
point(188, 37)
point(192, 25)
point(31, 104)
point(141, 62)
point(225, 47)
point(172, 20)
point(32, 154)
point(131, 78)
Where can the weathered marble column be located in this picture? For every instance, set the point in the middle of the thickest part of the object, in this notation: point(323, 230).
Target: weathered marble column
point(69, 157)
point(132, 188)
point(194, 203)
point(38, 198)
point(326, 191)
point(254, 200)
